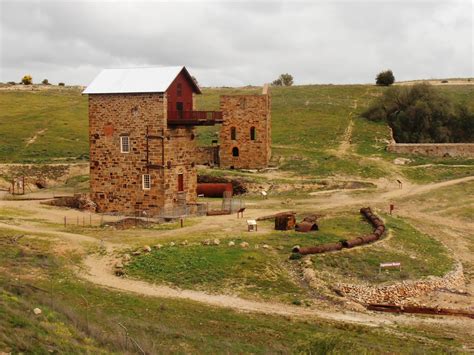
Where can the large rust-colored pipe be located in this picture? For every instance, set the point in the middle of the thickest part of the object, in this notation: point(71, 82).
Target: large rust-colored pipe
point(213, 189)
point(379, 230)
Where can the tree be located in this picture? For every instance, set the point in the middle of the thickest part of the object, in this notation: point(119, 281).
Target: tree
point(422, 114)
point(283, 80)
point(27, 80)
point(45, 82)
point(61, 84)
point(385, 78)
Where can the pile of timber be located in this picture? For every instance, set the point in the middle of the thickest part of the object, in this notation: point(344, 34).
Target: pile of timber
point(379, 230)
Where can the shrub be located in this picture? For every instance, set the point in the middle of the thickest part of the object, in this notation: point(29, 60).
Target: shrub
point(11, 83)
point(27, 80)
point(421, 114)
point(45, 82)
point(444, 81)
point(385, 78)
point(283, 80)
point(61, 84)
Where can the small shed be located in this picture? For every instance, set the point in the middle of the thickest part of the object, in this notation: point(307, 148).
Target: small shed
point(285, 221)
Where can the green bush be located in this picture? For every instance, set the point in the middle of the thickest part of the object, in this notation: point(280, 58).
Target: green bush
point(385, 78)
point(27, 80)
point(45, 82)
point(420, 114)
point(283, 80)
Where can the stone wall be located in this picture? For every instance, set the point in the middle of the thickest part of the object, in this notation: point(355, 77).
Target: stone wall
point(205, 155)
point(465, 150)
point(400, 292)
point(115, 177)
point(244, 112)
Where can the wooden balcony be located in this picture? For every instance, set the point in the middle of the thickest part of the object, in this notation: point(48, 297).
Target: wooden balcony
point(194, 118)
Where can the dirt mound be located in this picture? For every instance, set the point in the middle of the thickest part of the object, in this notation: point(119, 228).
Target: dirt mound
point(78, 201)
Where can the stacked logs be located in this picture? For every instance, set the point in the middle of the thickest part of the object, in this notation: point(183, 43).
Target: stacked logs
point(379, 230)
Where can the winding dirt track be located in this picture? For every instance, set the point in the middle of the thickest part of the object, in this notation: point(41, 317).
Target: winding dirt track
point(98, 270)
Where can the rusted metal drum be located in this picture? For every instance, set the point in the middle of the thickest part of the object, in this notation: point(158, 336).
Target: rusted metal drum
point(305, 227)
point(213, 189)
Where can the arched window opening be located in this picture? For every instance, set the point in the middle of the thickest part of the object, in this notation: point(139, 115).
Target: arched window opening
point(235, 152)
point(233, 133)
point(253, 134)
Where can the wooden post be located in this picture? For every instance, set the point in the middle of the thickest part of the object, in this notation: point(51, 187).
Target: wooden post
point(64, 221)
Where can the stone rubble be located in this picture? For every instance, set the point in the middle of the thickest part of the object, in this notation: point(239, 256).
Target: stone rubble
point(398, 293)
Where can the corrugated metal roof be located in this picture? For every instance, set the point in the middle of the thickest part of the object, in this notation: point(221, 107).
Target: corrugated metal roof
point(133, 80)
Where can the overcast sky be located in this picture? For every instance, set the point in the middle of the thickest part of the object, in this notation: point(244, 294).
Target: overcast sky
point(240, 42)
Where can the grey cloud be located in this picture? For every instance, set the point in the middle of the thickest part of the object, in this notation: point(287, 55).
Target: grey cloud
point(238, 43)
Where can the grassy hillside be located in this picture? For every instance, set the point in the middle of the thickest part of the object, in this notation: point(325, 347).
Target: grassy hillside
point(79, 317)
point(316, 129)
point(38, 126)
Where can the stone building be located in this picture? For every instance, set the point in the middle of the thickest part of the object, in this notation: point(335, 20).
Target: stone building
point(245, 135)
point(142, 139)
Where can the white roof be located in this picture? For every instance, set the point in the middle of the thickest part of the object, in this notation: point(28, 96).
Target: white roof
point(133, 80)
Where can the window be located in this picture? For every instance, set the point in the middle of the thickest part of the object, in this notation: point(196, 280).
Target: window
point(235, 152)
point(180, 182)
point(124, 144)
point(179, 90)
point(233, 133)
point(253, 133)
point(146, 181)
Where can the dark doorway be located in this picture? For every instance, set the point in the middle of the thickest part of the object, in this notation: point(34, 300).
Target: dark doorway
point(180, 182)
point(180, 109)
point(235, 152)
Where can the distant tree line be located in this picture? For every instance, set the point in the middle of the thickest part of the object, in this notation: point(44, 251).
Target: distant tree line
point(421, 114)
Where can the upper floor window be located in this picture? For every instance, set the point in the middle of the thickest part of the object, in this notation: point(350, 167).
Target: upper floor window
point(253, 133)
point(146, 181)
point(233, 133)
point(179, 89)
point(124, 144)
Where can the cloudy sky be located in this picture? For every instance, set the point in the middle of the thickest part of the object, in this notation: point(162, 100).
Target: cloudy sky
point(234, 43)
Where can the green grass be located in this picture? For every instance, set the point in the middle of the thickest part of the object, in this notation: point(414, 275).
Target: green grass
point(217, 268)
point(61, 113)
point(308, 125)
point(419, 254)
point(453, 201)
point(162, 325)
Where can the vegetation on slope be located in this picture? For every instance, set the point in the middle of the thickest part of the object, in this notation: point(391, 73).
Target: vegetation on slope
point(80, 317)
point(419, 254)
point(421, 114)
point(42, 126)
point(316, 129)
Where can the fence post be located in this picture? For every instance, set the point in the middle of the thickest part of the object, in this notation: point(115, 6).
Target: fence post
point(65, 222)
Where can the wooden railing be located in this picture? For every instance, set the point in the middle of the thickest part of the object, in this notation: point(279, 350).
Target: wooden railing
point(196, 118)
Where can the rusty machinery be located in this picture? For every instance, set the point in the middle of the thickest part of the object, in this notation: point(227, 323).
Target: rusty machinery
point(379, 230)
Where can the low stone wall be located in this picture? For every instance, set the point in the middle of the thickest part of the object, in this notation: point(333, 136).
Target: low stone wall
point(465, 150)
point(204, 155)
point(399, 292)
